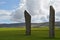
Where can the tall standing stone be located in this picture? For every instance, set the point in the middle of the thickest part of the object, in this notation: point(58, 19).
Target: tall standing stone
point(52, 23)
point(27, 22)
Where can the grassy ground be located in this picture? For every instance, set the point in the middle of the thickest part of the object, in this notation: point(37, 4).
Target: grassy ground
point(19, 34)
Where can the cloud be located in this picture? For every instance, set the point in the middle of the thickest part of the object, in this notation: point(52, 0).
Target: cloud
point(38, 9)
point(18, 15)
point(5, 12)
point(4, 15)
point(35, 10)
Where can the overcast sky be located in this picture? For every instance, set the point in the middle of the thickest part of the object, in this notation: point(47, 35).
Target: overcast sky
point(12, 11)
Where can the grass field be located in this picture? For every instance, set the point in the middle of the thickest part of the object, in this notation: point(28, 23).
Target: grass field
point(19, 34)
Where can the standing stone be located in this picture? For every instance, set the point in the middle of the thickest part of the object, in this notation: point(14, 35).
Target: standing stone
point(27, 22)
point(52, 23)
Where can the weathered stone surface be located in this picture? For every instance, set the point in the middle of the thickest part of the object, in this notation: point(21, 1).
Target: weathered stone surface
point(52, 23)
point(27, 22)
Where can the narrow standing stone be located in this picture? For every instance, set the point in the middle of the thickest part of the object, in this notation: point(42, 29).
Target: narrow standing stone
point(52, 23)
point(27, 22)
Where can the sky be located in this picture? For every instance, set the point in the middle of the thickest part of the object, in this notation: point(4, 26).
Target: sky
point(12, 11)
point(8, 4)
point(6, 8)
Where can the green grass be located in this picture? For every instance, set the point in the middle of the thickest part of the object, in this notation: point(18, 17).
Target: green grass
point(19, 34)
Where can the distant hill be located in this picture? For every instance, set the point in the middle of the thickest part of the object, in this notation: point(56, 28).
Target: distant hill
point(32, 24)
point(13, 25)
